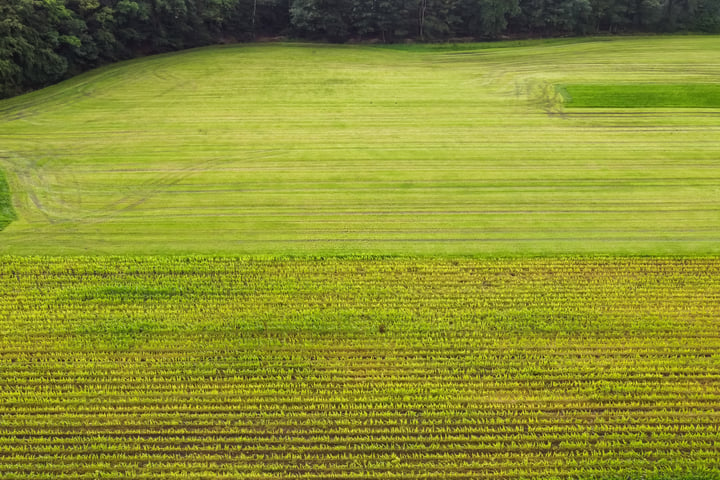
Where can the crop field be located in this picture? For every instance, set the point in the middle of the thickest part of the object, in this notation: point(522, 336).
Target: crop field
point(413, 150)
point(199, 367)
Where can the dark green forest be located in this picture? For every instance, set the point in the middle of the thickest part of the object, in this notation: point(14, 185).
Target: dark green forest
point(44, 41)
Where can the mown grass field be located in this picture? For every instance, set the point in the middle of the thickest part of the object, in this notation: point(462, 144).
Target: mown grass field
point(422, 150)
point(198, 367)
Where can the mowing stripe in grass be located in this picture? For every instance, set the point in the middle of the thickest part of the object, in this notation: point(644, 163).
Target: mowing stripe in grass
point(687, 95)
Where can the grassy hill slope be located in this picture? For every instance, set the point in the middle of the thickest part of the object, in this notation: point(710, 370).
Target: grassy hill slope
point(297, 149)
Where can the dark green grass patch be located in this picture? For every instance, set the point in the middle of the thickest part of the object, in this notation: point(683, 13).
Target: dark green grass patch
point(7, 213)
point(460, 45)
point(642, 96)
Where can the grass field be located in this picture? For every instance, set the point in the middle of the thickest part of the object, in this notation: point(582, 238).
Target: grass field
point(126, 367)
point(420, 150)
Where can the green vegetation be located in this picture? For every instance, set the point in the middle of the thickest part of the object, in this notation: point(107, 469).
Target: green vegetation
point(7, 212)
point(317, 149)
point(686, 95)
point(359, 368)
point(331, 326)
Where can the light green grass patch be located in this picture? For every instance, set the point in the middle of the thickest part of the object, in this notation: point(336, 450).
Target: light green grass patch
point(687, 95)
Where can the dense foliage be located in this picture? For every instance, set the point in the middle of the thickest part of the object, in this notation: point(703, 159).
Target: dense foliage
point(359, 368)
point(42, 41)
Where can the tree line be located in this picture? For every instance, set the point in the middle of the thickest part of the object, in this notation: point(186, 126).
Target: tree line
point(44, 41)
